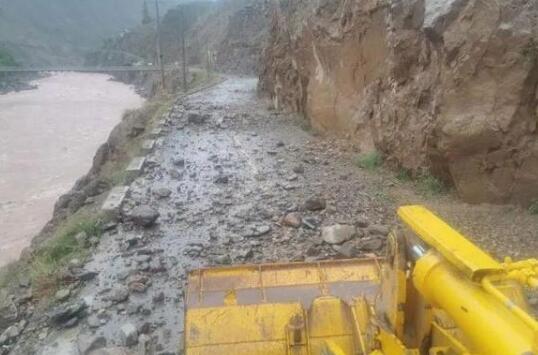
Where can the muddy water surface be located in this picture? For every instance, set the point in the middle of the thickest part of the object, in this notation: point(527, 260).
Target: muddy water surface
point(48, 138)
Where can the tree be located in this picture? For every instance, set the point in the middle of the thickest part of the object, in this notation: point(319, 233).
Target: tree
point(6, 59)
point(146, 18)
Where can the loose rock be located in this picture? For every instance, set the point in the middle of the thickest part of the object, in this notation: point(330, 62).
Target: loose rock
point(62, 295)
point(180, 162)
point(348, 249)
point(372, 244)
point(298, 169)
point(292, 220)
point(8, 311)
point(162, 192)
point(67, 315)
point(222, 179)
point(338, 233)
point(119, 294)
point(129, 334)
point(377, 229)
point(87, 343)
point(144, 216)
point(315, 204)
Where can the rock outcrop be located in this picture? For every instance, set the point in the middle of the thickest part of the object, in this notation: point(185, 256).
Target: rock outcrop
point(240, 49)
point(233, 34)
point(444, 85)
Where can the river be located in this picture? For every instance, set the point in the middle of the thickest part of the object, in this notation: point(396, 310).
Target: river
point(48, 137)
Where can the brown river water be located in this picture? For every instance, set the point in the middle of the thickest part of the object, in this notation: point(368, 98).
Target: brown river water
point(48, 138)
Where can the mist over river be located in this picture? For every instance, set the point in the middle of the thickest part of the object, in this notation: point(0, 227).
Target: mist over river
point(48, 137)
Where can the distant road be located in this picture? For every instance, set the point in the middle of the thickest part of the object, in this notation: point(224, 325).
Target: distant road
point(82, 69)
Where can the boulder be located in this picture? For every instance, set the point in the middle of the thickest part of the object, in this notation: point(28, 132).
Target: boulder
point(349, 249)
point(162, 192)
point(67, 315)
point(129, 334)
point(371, 245)
point(378, 230)
point(338, 233)
point(315, 204)
point(8, 311)
point(144, 216)
point(292, 220)
point(62, 295)
point(87, 343)
point(119, 294)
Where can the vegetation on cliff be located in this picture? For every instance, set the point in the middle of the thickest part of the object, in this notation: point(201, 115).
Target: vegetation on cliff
point(6, 59)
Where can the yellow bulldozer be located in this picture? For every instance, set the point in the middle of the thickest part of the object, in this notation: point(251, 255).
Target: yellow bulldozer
point(434, 293)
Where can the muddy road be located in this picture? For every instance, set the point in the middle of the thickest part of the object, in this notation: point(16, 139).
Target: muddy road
point(232, 183)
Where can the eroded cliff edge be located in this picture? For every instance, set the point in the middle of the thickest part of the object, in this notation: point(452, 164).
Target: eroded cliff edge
point(449, 86)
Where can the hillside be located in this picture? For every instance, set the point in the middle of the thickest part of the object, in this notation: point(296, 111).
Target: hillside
point(231, 31)
point(139, 43)
point(38, 32)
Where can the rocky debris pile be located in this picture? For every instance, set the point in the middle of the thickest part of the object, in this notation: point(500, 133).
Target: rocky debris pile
point(444, 86)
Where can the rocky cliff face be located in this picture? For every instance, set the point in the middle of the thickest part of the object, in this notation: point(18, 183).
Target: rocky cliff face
point(233, 33)
point(240, 49)
point(445, 85)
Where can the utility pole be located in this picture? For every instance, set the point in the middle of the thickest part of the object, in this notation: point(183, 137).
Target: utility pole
point(183, 52)
point(159, 49)
point(208, 61)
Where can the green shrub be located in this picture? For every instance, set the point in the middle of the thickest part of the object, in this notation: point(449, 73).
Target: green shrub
point(369, 161)
point(64, 245)
point(403, 175)
point(59, 250)
point(6, 59)
point(530, 51)
point(533, 208)
point(430, 185)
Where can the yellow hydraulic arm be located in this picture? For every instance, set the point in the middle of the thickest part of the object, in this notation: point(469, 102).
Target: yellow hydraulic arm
point(434, 293)
point(480, 295)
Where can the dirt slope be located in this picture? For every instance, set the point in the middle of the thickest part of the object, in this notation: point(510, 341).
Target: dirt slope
point(449, 86)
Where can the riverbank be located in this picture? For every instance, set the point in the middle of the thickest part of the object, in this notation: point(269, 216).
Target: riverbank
point(17, 82)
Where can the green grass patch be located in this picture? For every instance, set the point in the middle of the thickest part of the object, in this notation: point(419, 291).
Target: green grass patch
point(404, 175)
point(9, 274)
point(533, 208)
point(62, 247)
point(530, 51)
point(430, 185)
point(369, 161)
